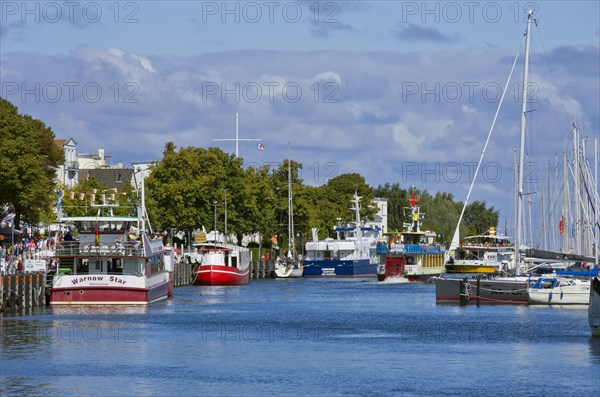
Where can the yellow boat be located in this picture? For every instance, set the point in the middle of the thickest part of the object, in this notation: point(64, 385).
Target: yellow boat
point(486, 253)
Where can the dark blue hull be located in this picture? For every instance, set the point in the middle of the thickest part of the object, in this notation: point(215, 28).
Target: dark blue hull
point(349, 268)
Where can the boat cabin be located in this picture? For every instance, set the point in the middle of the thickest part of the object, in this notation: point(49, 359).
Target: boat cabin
point(107, 246)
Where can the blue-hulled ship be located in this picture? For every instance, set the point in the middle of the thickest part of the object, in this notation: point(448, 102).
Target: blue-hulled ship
point(353, 253)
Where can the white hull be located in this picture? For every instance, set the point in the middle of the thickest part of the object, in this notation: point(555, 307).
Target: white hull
point(288, 272)
point(594, 308)
point(578, 294)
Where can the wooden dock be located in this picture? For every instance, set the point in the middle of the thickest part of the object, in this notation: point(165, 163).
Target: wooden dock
point(22, 291)
point(182, 274)
point(260, 269)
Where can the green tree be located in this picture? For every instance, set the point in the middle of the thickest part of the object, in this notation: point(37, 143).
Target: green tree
point(478, 218)
point(334, 201)
point(28, 160)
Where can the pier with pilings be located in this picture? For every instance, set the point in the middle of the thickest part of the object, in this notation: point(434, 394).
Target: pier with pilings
point(22, 291)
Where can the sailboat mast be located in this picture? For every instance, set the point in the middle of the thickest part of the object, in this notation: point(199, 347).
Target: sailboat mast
point(290, 209)
point(596, 202)
point(522, 147)
point(516, 187)
point(237, 136)
point(543, 237)
point(577, 219)
point(565, 200)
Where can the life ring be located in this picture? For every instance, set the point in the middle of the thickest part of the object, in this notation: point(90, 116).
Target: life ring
point(410, 260)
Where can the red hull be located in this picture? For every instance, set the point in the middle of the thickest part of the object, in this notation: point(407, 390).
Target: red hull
point(221, 275)
point(102, 295)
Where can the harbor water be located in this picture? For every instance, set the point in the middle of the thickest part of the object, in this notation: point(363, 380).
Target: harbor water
point(301, 337)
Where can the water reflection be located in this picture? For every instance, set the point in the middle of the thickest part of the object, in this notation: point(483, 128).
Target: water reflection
point(215, 294)
point(594, 346)
point(99, 309)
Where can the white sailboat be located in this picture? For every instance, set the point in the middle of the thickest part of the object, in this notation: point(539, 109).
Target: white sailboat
point(290, 266)
point(559, 291)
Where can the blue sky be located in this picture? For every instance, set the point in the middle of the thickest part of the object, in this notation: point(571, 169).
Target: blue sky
point(397, 91)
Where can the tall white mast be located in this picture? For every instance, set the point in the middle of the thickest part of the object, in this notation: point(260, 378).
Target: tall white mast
point(576, 191)
point(291, 244)
point(566, 217)
point(596, 201)
point(237, 135)
point(521, 164)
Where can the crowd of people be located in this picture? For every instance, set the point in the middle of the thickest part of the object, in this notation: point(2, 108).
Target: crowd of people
point(12, 256)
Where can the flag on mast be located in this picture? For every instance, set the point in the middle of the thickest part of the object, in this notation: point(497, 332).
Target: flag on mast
point(97, 241)
point(260, 146)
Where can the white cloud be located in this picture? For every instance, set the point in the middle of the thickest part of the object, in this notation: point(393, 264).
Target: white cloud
point(370, 128)
point(130, 65)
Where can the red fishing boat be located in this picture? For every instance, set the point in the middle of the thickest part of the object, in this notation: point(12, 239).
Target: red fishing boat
point(222, 264)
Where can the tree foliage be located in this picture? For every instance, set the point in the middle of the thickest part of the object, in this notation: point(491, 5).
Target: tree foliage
point(28, 162)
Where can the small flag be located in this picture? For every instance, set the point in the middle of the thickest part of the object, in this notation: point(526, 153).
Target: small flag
point(81, 196)
point(59, 200)
point(561, 225)
point(71, 195)
point(97, 241)
point(260, 146)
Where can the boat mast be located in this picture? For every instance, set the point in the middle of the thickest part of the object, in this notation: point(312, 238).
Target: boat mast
point(543, 238)
point(565, 218)
point(225, 221)
point(358, 224)
point(596, 202)
point(291, 246)
point(522, 147)
point(576, 190)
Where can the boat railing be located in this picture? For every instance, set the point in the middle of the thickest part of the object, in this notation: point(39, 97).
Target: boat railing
point(75, 248)
point(69, 272)
point(418, 248)
point(470, 244)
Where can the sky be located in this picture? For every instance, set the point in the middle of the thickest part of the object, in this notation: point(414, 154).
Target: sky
point(397, 91)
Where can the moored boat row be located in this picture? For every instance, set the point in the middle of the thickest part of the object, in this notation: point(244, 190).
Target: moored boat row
point(550, 290)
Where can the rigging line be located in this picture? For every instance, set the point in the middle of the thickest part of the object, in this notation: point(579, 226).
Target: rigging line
point(565, 116)
point(455, 237)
